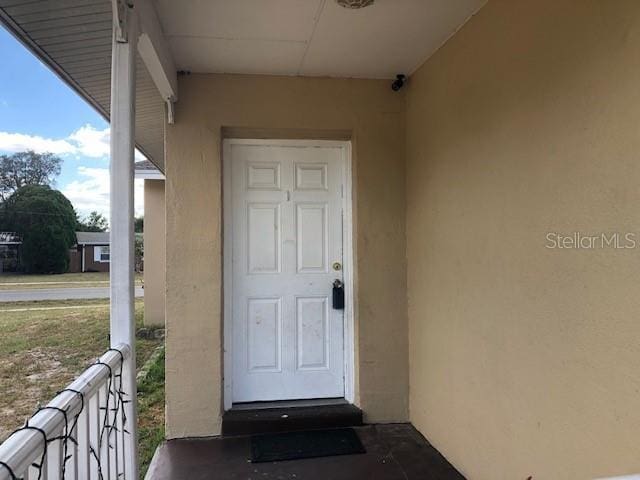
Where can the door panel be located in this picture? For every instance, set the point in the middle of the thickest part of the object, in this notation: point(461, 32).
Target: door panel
point(312, 241)
point(263, 237)
point(286, 226)
point(264, 327)
point(311, 177)
point(312, 317)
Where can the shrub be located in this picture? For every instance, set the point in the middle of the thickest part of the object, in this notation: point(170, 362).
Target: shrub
point(46, 220)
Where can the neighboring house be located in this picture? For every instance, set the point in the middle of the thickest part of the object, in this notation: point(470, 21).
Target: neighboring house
point(91, 253)
point(299, 170)
point(10, 243)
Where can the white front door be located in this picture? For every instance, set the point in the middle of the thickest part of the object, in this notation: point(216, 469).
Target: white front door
point(287, 250)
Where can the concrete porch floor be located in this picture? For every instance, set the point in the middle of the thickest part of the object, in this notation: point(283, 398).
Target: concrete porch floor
point(393, 452)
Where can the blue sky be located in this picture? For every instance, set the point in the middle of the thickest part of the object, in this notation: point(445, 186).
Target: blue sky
point(38, 111)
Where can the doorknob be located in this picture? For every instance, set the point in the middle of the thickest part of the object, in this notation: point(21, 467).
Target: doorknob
point(338, 294)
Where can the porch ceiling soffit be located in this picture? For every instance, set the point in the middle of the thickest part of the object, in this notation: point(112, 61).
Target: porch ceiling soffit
point(310, 37)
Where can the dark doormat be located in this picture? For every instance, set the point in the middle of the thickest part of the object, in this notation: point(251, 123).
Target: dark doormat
point(295, 445)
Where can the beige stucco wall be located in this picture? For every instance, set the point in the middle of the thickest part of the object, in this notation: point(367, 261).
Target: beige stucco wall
point(154, 252)
point(525, 361)
point(368, 112)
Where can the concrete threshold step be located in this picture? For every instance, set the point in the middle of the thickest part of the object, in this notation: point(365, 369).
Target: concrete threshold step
point(271, 419)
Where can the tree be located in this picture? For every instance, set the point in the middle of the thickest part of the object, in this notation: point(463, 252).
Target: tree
point(46, 220)
point(138, 224)
point(139, 253)
point(95, 222)
point(27, 168)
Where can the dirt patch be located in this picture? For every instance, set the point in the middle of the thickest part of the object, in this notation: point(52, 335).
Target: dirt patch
point(41, 352)
point(26, 379)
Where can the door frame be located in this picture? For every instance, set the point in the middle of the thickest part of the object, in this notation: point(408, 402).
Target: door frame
point(348, 258)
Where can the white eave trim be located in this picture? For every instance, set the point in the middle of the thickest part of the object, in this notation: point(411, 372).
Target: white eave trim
point(154, 51)
point(20, 35)
point(149, 175)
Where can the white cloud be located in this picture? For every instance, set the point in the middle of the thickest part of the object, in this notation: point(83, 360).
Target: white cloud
point(91, 142)
point(86, 141)
point(19, 142)
point(91, 192)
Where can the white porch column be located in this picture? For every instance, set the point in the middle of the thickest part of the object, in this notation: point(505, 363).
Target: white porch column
point(123, 75)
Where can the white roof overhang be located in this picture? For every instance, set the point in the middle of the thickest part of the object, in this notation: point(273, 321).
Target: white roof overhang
point(73, 37)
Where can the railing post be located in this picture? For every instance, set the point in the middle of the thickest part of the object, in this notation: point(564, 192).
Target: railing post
point(123, 85)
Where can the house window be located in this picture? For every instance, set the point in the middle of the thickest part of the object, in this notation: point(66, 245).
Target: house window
point(101, 254)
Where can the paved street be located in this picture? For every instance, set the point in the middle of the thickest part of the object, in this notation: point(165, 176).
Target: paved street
point(26, 295)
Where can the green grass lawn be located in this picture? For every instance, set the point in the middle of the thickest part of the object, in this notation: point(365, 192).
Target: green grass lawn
point(12, 281)
point(150, 413)
point(44, 348)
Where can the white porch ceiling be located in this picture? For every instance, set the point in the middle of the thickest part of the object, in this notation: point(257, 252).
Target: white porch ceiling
point(286, 37)
point(309, 37)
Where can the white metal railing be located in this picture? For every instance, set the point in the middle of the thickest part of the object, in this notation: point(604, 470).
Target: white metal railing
point(81, 434)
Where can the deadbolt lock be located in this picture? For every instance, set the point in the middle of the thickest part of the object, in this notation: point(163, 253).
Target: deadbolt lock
point(337, 266)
